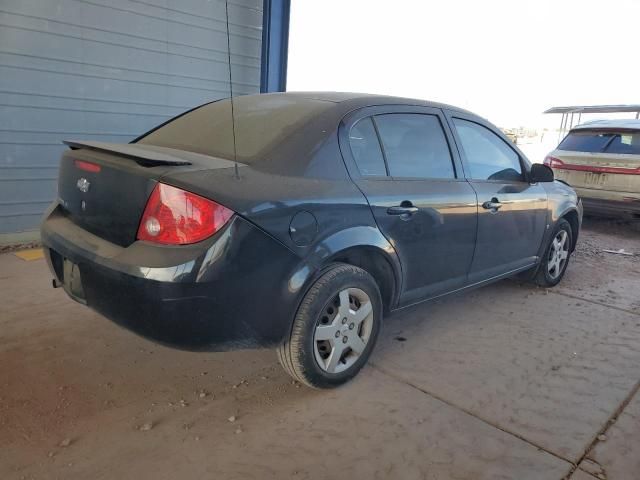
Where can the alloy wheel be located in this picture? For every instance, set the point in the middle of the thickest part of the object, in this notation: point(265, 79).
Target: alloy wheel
point(558, 254)
point(343, 330)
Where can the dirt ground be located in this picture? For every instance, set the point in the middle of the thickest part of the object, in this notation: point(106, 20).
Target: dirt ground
point(505, 382)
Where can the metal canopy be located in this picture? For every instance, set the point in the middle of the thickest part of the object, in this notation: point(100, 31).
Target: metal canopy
point(566, 120)
point(594, 109)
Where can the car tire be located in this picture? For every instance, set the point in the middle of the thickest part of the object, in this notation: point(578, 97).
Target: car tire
point(324, 350)
point(556, 256)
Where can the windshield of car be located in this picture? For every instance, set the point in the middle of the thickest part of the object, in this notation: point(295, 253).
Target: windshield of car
point(261, 122)
point(602, 141)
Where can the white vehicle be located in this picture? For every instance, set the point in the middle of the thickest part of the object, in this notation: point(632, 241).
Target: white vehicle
point(601, 161)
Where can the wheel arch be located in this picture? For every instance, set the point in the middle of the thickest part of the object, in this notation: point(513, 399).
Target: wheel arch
point(362, 246)
point(377, 263)
point(573, 218)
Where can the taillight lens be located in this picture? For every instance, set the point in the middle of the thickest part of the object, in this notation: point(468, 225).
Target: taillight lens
point(176, 217)
point(553, 162)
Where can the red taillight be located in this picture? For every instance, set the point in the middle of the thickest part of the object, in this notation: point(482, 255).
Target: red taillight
point(176, 217)
point(87, 166)
point(553, 162)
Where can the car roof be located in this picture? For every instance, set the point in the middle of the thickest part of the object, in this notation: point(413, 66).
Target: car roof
point(626, 124)
point(351, 100)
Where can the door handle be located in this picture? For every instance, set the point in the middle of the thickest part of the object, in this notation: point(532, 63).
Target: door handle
point(403, 210)
point(493, 205)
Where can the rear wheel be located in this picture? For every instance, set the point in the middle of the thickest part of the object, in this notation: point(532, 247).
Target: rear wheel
point(556, 257)
point(335, 328)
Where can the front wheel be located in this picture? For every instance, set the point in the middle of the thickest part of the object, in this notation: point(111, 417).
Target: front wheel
point(335, 328)
point(556, 256)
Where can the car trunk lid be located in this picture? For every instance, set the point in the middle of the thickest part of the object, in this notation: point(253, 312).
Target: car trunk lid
point(606, 171)
point(104, 187)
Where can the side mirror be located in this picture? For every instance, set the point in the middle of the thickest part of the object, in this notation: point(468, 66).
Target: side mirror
point(540, 173)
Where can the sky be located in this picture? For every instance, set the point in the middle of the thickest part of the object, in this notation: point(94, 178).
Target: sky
point(504, 60)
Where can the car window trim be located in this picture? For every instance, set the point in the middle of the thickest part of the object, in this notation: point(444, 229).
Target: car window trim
point(380, 144)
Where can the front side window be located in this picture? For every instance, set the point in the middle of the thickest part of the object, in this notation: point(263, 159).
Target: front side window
point(366, 149)
point(415, 146)
point(488, 156)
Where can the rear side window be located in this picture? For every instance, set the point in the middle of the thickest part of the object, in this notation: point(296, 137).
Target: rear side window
point(488, 156)
point(415, 146)
point(586, 141)
point(366, 149)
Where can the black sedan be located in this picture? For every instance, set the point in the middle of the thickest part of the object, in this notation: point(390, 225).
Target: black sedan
point(296, 220)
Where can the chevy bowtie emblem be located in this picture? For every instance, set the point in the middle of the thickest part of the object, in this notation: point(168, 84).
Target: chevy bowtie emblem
point(83, 185)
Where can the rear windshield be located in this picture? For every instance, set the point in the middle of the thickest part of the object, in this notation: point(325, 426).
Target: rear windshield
point(261, 122)
point(602, 142)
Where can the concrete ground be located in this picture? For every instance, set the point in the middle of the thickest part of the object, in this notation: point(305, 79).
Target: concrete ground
point(508, 381)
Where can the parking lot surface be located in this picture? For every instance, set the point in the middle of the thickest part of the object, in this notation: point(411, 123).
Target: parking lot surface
point(508, 381)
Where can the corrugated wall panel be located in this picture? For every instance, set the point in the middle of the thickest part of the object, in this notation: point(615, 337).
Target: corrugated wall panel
point(107, 70)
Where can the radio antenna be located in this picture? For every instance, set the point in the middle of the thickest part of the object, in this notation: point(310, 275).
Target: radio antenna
point(233, 116)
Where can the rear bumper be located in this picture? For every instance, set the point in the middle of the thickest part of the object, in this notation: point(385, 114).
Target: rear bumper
point(610, 203)
point(228, 292)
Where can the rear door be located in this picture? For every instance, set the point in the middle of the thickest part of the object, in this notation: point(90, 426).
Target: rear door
point(401, 159)
point(512, 213)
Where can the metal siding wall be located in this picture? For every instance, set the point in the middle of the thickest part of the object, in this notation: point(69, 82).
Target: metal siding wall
point(107, 70)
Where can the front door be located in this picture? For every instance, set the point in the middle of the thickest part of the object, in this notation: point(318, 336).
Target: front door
point(412, 179)
point(512, 213)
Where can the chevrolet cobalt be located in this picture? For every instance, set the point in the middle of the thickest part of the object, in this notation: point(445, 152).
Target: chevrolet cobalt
point(297, 220)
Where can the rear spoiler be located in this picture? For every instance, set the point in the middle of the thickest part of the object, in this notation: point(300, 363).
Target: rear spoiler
point(143, 156)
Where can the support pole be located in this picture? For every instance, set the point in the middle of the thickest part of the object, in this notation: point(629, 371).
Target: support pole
point(275, 45)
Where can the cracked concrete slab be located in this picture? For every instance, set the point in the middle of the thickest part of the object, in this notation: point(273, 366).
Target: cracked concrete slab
point(375, 427)
point(531, 362)
point(617, 453)
point(67, 373)
point(593, 468)
point(604, 277)
point(581, 475)
point(394, 431)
